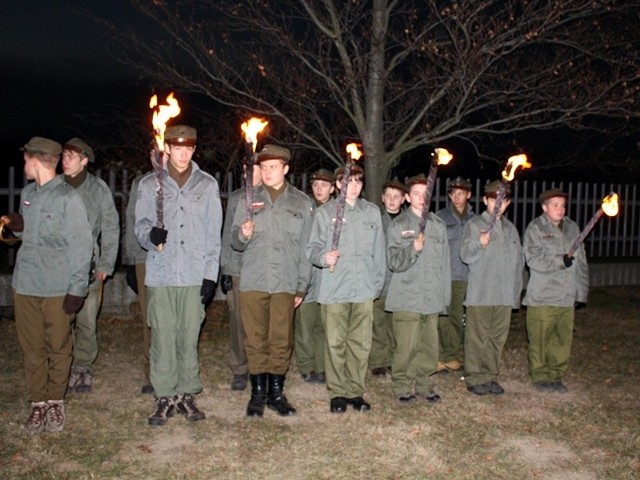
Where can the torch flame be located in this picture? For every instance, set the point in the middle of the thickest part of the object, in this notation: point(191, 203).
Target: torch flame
point(442, 156)
point(252, 128)
point(354, 151)
point(512, 164)
point(610, 204)
point(162, 115)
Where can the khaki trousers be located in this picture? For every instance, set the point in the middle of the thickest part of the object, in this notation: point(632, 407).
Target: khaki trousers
point(44, 334)
point(237, 355)
point(141, 271)
point(84, 328)
point(382, 340)
point(309, 338)
point(450, 329)
point(550, 334)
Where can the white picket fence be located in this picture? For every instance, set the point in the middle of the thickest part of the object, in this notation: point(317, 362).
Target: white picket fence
point(613, 238)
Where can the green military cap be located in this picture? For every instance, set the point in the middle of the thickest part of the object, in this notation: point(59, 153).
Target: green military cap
point(181, 135)
point(355, 169)
point(395, 183)
point(42, 145)
point(274, 152)
point(554, 192)
point(324, 175)
point(77, 145)
point(491, 189)
point(416, 180)
point(459, 182)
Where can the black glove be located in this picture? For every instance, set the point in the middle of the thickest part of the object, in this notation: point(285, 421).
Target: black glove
point(207, 290)
point(158, 236)
point(579, 305)
point(16, 222)
point(132, 280)
point(226, 283)
point(72, 304)
point(568, 261)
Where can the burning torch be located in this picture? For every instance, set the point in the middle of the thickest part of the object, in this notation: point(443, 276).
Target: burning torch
point(609, 207)
point(513, 163)
point(160, 117)
point(354, 155)
point(441, 156)
point(251, 129)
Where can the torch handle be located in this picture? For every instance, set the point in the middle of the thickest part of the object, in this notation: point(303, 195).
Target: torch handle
point(248, 181)
point(496, 206)
point(431, 180)
point(583, 234)
point(342, 198)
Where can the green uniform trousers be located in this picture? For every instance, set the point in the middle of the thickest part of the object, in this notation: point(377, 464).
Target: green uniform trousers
point(485, 336)
point(44, 334)
point(450, 328)
point(347, 328)
point(550, 333)
point(268, 325)
point(309, 338)
point(237, 355)
point(416, 353)
point(85, 335)
point(175, 316)
point(382, 341)
point(146, 331)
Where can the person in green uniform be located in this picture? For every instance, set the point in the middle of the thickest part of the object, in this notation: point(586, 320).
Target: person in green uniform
point(419, 290)
point(496, 267)
point(105, 228)
point(352, 278)
point(49, 280)
point(557, 282)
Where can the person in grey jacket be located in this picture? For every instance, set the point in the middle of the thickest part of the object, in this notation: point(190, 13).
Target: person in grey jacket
point(180, 277)
point(49, 280)
point(496, 266)
point(419, 290)
point(557, 283)
point(346, 294)
point(450, 326)
point(105, 228)
point(274, 277)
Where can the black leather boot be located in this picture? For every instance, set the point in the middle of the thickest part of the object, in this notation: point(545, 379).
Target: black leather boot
point(255, 408)
point(276, 399)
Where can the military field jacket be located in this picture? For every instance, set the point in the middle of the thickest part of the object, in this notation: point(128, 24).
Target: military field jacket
point(273, 260)
point(193, 220)
point(55, 256)
point(421, 281)
point(550, 282)
point(455, 227)
point(230, 259)
point(360, 272)
point(495, 271)
point(133, 251)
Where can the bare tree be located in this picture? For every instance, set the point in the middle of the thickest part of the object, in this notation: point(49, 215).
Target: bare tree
point(397, 75)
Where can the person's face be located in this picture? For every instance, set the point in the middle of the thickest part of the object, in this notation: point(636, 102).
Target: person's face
point(416, 197)
point(29, 166)
point(459, 198)
point(73, 163)
point(180, 155)
point(490, 202)
point(322, 190)
point(392, 199)
point(555, 209)
point(273, 172)
point(353, 189)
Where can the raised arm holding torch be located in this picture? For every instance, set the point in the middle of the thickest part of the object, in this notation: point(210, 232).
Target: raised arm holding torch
point(609, 206)
point(441, 156)
point(251, 129)
point(507, 175)
point(354, 155)
point(160, 118)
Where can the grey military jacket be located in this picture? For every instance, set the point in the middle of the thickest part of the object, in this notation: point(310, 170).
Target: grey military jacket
point(104, 220)
point(455, 228)
point(421, 281)
point(55, 256)
point(230, 259)
point(133, 251)
point(193, 220)
point(550, 282)
point(360, 272)
point(273, 259)
point(495, 271)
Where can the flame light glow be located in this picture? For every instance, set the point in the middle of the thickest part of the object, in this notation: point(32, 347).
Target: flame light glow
point(512, 165)
point(442, 155)
point(610, 204)
point(252, 128)
point(162, 115)
point(354, 151)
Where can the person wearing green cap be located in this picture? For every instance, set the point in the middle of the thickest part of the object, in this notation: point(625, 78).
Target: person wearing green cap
point(105, 228)
point(496, 269)
point(49, 280)
point(557, 283)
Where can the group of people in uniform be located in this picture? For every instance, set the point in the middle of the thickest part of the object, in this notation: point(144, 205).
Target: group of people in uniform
point(406, 293)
